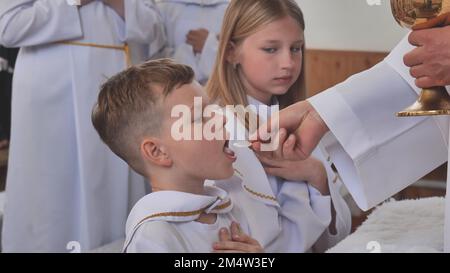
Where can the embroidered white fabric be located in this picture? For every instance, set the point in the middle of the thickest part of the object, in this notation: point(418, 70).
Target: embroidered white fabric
point(399, 226)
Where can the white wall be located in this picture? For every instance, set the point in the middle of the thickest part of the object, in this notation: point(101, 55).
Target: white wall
point(350, 25)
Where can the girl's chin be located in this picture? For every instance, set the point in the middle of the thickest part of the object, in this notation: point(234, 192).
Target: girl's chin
point(278, 92)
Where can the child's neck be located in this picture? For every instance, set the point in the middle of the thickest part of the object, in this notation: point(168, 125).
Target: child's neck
point(168, 181)
point(263, 98)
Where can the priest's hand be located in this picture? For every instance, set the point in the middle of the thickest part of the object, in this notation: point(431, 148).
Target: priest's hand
point(236, 241)
point(430, 62)
point(303, 125)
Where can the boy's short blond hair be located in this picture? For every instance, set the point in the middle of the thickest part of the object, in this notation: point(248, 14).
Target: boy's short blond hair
point(129, 106)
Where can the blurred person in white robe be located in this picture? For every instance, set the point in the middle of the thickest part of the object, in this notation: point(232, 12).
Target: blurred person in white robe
point(63, 184)
point(192, 29)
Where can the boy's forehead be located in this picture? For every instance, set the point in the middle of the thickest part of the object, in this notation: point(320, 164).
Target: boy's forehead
point(185, 94)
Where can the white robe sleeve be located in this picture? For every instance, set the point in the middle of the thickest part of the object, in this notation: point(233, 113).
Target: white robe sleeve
point(308, 212)
point(376, 153)
point(304, 221)
point(184, 54)
point(29, 23)
point(343, 218)
point(144, 24)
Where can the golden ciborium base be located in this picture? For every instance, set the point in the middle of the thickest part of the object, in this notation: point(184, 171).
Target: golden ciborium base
point(432, 102)
point(420, 14)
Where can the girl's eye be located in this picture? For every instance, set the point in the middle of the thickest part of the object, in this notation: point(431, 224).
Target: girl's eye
point(270, 50)
point(296, 49)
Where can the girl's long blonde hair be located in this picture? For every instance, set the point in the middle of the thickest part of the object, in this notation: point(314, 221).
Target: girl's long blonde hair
point(242, 19)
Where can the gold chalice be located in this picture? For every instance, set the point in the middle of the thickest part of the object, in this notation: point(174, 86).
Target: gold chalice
point(420, 14)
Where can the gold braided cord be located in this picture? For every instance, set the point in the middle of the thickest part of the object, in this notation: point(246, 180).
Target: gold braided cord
point(260, 194)
point(183, 213)
point(125, 48)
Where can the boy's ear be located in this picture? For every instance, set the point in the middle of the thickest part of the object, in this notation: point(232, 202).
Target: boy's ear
point(152, 150)
point(232, 54)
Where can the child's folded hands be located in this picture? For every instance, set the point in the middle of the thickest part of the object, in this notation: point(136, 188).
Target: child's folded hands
point(236, 241)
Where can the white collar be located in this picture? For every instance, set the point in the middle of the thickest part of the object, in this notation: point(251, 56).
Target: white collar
point(175, 206)
point(247, 166)
point(270, 108)
point(198, 2)
point(253, 101)
point(254, 180)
